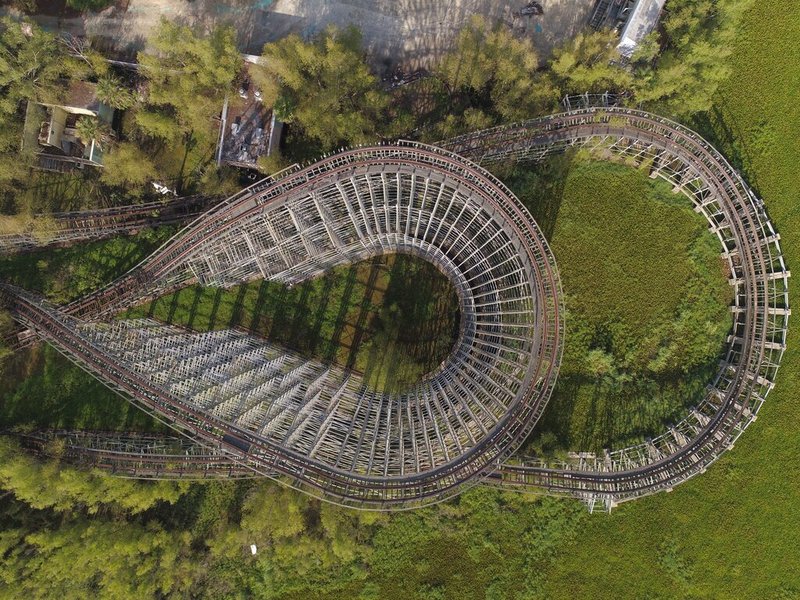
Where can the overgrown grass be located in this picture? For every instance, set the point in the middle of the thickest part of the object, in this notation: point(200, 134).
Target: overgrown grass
point(41, 388)
point(64, 274)
point(646, 296)
point(731, 533)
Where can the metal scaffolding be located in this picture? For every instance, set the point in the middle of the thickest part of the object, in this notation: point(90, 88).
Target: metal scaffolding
point(68, 227)
point(318, 425)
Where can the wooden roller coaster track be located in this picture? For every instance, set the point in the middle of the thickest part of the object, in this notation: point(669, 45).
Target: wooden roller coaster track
point(346, 226)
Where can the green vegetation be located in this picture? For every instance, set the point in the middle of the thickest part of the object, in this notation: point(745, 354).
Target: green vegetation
point(169, 130)
point(31, 68)
point(646, 295)
point(6, 326)
point(91, 5)
point(490, 76)
point(324, 87)
point(188, 76)
point(393, 318)
point(165, 541)
point(64, 274)
point(701, 541)
point(41, 388)
point(47, 484)
point(728, 534)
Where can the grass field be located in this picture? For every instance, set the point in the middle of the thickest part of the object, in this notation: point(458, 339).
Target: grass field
point(393, 318)
point(647, 302)
point(733, 532)
point(39, 386)
point(64, 274)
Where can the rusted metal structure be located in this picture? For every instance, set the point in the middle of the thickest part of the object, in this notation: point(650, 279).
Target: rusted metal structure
point(64, 228)
point(759, 276)
point(319, 424)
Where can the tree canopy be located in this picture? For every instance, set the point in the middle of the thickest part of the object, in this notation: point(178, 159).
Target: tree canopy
point(323, 86)
point(590, 63)
point(32, 67)
point(128, 165)
point(189, 75)
point(32, 64)
point(497, 71)
point(699, 37)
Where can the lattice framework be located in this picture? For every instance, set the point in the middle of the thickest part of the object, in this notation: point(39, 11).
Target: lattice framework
point(319, 423)
point(749, 242)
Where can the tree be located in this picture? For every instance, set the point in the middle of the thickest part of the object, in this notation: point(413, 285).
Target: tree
point(6, 326)
point(323, 86)
point(699, 38)
point(158, 124)
point(31, 68)
point(272, 164)
point(489, 63)
point(92, 128)
point(92, 5)
point(189, 76)
point(81, 49)
point(590, 63)
point(114, 93)
point(127, 165)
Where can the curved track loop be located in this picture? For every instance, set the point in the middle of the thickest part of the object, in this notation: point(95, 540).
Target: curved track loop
point(758, 273)
point(317, 423)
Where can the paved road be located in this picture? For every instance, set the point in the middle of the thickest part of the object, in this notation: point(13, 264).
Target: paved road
point(407, 33)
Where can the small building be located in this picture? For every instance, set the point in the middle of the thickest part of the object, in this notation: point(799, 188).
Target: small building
point(248, 128)
point(50, 128)
point(642, 20)
point(633, 19)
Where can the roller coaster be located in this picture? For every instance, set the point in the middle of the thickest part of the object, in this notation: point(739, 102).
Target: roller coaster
point(250, 408)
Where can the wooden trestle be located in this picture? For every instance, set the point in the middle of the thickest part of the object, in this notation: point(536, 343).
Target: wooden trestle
point(273, 412)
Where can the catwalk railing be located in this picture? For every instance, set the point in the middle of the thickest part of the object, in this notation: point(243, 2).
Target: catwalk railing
point(320, 424)
point(68, 227)
point(759, 276)
point(318, 240)
point(133, 454)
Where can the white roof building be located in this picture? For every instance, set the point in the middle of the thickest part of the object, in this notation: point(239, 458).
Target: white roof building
point(642, 21)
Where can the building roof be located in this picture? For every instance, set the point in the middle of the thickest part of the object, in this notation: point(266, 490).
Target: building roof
point(80, 97)
point(642, 21)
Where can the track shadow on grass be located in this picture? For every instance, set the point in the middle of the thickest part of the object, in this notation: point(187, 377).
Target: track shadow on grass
point(391, 318)
point(539, 186)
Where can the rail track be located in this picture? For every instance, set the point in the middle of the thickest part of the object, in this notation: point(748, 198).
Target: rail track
point(59, 229)
point(318, 424)
point(462, 448)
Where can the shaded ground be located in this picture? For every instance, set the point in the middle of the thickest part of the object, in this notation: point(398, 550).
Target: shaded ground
point(393, 318)
point(646, 297)
point(405, 33)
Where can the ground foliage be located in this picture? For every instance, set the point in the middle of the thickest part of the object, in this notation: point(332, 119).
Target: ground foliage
point(647, 301)
point(732, 532)
point(728, 534)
